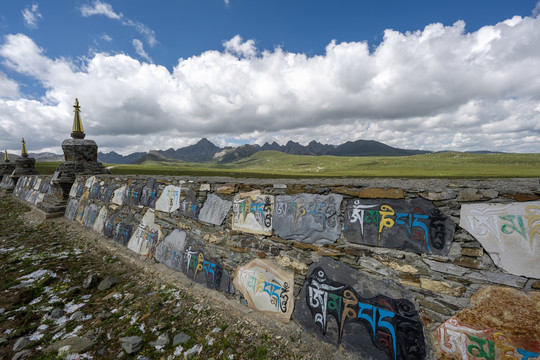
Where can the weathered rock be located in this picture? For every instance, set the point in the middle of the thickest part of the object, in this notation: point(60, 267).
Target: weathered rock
point(267, 288)
point(438, 196)
point(108, 282)
point(91, 281)
point(508, 232)
point(21, 343)
point(378, 193)
point(489, 329)
point(162, 340)
point(287, 261)
point(76, 344)
point(308, 218)
point(181, 338)
point(194, 350)
point(469, 194)
point(214, 210)
point(57, 313)
point(253, 212)
point(226, 189)
point(523, 197)
point(131, 344)
point(472, 252)
point(21, 355)
point(441, 287)
point(366, 315)
point(413, 225)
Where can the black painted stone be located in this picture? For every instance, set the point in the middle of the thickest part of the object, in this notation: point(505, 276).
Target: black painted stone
point(90, 215)
point(308, 218)
point(414, 225)
point(132, 194)
point(123, 231)
point(171, 249)
point(149, 193)
point(107, 193)
point(71, 209)
point(95, 191)
point(189, 206)
point(204, 269)
point(366, 315)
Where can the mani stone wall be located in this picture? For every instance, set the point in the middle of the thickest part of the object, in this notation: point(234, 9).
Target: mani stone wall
point(386, 268)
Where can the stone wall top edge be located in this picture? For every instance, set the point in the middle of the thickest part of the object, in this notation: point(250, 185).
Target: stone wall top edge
point(404, 183)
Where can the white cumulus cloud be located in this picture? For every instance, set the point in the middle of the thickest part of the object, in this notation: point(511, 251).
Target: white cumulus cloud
point(437, 88)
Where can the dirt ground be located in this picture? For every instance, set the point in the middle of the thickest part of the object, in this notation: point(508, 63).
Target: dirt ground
point(50, 310)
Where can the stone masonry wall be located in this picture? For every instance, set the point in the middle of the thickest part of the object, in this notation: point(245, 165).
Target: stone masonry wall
point(384, 267)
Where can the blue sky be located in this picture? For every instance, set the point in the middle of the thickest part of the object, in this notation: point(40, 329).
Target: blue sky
point(152, 75)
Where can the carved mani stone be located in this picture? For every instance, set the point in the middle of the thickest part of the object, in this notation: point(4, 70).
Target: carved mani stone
point(414, 225)
point(169, 251)
point(267, 288)
point(510, 233)
point(252, 213)
point(308, 218)
point(500, 323)
point(367, 316)
point(214, 210)
point(146, 236)
point(169, 200)
point(204, 269)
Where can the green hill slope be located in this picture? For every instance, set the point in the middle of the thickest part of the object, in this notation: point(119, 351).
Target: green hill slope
point(274, 164)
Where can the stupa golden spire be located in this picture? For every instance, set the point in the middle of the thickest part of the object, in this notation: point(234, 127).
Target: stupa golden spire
point(24, 152)
point(78, 131)
point(6, 158)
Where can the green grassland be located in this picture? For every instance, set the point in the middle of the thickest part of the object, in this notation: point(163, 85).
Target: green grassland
point(273, 164)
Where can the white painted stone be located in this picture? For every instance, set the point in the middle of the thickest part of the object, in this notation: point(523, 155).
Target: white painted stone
point(510, 233)
point(253, 212)
point(118, 197)
point(214, 210)
point(267, 288)
point(145, 238)
point(73, 191)
point(169, 200)
point(90, 181)
point(101, 219)
point(37, 185)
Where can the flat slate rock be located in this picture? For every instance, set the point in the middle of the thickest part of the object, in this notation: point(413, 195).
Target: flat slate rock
point(308, 218)
point(108, 282)
point(366, 315)
point(414, 225)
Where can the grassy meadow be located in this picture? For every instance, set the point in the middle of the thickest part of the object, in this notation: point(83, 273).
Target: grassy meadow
point(273, 164)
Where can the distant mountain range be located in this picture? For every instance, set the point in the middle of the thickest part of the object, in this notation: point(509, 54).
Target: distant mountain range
point(205, 151)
